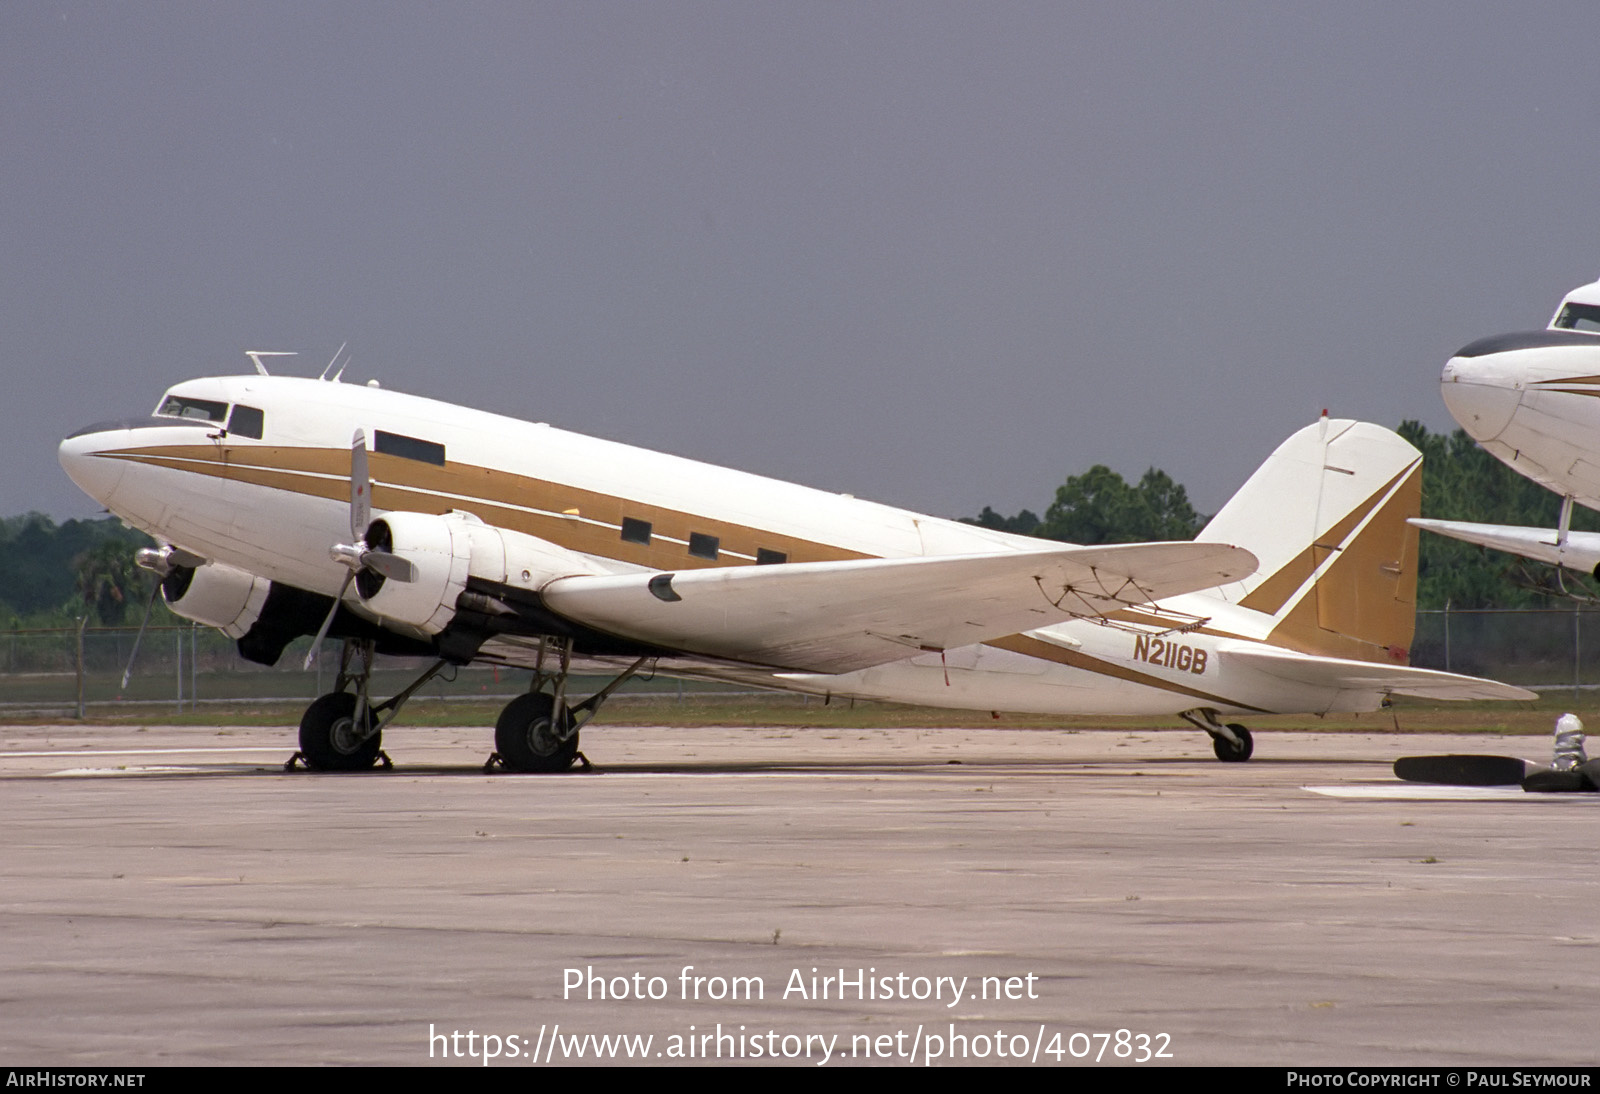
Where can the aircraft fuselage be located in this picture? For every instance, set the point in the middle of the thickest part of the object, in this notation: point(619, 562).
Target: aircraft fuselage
point(254, 474)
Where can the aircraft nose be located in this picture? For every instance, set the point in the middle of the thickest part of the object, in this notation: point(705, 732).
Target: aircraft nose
point(1481, 397)
point(83, 457)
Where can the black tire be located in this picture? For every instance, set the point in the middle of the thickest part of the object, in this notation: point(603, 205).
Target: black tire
point(328, 740)
point(1228, 752)
point(525, 736)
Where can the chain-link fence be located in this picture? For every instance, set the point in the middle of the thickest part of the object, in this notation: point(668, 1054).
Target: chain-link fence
point(1543, 648)
point(187, 667)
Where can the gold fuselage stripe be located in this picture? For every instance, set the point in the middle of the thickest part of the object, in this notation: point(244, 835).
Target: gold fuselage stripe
point(536, 507)
point(1591, 380)
point(1033, 647)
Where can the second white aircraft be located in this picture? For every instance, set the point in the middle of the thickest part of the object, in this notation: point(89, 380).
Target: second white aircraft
point(1532, 399)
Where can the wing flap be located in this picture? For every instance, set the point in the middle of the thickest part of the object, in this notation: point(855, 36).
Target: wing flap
point(841, 616)
point(1336, 672)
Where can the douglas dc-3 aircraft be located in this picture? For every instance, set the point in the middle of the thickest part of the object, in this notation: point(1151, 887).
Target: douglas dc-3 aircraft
point(402, 525)
point(1532, 399)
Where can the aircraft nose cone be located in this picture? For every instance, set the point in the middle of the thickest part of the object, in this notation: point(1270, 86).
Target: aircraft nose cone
point(82, 458)
point(1480, 399)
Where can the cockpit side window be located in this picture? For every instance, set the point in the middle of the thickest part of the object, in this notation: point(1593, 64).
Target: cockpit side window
point(1579, 317)
point(246, 421)
point(199, 410)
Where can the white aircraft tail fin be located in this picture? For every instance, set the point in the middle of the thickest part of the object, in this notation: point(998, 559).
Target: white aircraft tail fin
point(1327, 516)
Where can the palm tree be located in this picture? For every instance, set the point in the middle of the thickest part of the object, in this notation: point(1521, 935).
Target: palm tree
point(108, 580)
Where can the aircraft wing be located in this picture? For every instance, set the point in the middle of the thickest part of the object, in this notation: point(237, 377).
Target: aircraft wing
point(1336, 672)
point(1581, 551)
point(837, 617)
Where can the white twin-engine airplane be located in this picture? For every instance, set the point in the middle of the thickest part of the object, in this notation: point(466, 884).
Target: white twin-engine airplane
point(402, 525)
point(1532, 399)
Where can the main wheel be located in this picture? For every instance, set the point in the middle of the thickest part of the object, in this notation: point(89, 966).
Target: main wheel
point(1230, 753)
point(526, 737)
point(330, 739)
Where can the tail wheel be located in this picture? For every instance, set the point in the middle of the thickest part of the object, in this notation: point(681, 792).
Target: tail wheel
point(527, 738)
point(330, 739)
point(1230, 753)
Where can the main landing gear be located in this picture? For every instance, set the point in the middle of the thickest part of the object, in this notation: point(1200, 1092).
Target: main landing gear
point(538, 732)
point(333, 737)
point(343, 730)
point(1232, 742)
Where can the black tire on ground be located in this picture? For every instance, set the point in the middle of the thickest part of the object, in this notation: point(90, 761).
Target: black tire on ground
point(1228, 752)
point(525, 736)
point(328, 737)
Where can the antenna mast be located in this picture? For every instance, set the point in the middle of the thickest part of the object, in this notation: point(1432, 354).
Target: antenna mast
point(334, 361)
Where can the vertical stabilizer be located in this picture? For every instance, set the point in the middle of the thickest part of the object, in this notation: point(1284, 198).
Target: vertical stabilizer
point(1326, 515)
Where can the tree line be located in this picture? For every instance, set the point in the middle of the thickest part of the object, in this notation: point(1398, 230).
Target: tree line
point(1460, 481)
point(51, 574)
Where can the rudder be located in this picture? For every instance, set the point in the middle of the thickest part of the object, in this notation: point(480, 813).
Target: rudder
point(1326, 515)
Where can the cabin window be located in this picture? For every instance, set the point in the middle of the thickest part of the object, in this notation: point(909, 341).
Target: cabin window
point(635, 531)
point(703, 546)
point(199, 410)
point(246, 421)
point(410, 448)
point(1579, 317)
point(765, 557)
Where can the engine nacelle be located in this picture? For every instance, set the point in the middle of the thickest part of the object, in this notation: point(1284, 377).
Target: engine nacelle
point(217, 595)
point(442, 560)
point(447, 550)
point(524, 562)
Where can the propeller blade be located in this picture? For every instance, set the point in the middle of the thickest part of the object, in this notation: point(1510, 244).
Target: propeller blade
point(322, 632)
point(127, 673)
point(390, 566)
point(360, 488)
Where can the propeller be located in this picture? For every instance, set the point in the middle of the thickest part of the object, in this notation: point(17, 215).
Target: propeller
point(160, 561)
point(363, 558)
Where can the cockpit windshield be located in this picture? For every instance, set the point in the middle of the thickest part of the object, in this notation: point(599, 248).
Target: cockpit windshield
point(1579, 317)
point(200, 410)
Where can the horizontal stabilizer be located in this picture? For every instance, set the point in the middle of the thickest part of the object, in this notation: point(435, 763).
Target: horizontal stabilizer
point(841, 616)
point(1581, 551)
point(1336, 672)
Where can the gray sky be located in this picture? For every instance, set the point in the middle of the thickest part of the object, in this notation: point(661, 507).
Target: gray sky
point(939, 255)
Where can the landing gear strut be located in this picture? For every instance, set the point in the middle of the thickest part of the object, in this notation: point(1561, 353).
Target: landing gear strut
point(1232, 742)
point(343, 730)
point(538, 732)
